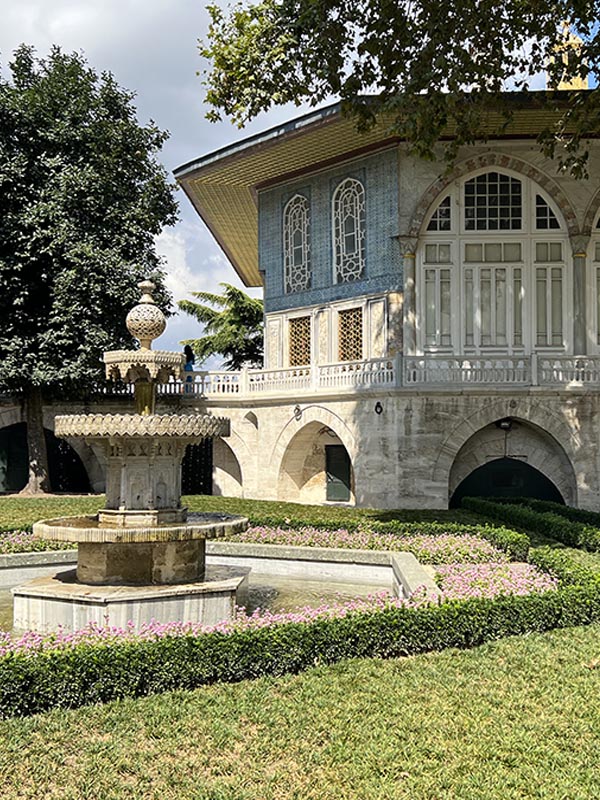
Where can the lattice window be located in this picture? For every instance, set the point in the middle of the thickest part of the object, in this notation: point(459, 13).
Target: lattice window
point(349, 230)
point(545, 218)
point(350, 334)
point(299, 331)
point(296, 245)
point(441, 219)
point(493, 202)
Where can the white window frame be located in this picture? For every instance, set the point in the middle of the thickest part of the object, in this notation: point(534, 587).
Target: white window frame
point(593, 282)
point(527, 236)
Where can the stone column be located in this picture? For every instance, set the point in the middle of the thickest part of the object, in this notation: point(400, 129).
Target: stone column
point(579, 245)
point(408, 248)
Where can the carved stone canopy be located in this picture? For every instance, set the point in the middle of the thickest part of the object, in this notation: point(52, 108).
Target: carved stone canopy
point(143, 365)
point(186, 426)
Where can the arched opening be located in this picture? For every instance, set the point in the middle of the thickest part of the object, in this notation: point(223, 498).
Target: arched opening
point(316, 467)
point(197, 468)
point(506, 477)
point(226, 471)
point(492, 269)
point(67, 472)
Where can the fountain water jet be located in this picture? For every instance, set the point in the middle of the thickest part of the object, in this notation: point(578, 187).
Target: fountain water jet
point(142, 557)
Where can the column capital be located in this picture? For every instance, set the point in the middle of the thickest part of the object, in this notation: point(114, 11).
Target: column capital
point(579, 244)
point(408, 245)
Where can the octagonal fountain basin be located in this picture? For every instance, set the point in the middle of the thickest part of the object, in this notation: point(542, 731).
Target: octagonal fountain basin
point(270, 577)
point(132, 574)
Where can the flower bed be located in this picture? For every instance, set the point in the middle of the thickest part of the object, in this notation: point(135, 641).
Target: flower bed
point(458, 582)
point(461, 581)
point(23, 542)
point(442, 548)
point(484, 597)
point(107, 665)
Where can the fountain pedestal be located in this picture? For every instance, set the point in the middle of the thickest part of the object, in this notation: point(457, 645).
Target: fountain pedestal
point(142, 555)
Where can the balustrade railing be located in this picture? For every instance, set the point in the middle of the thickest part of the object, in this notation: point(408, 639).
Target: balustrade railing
point(392, 373)
point(565, 370)
point(444, 370)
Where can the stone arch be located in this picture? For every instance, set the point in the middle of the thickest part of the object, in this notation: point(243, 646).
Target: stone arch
point(313, 413)
point(89, 459)
point(526, 409)
point(68, 465)
point(590, 215)
point(227, 472)
point(10, 415)
point(252, 419)
point(523, 442)
point(500, 161)
point(302, 475)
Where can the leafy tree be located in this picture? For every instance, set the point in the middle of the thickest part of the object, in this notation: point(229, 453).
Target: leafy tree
point(82, 198)
point(233, 322)
point(434, 66)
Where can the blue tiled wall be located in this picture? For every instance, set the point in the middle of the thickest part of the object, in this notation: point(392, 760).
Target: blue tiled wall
point(383, 263)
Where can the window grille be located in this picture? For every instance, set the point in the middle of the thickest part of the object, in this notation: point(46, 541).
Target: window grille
point(296, 245)
point(545, 218)
point(441, 219)
point(350, 334)
point(299, 343)
point(349, 230)
point(493, 202)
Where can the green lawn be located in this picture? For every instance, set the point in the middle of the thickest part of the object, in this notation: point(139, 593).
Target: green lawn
point(15, 510)
point(517, 718)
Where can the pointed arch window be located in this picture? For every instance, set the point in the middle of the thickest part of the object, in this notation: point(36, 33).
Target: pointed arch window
point(349, 230)
point(296, 245)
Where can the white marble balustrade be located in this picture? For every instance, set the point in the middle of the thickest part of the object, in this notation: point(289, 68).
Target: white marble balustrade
point(391, 373)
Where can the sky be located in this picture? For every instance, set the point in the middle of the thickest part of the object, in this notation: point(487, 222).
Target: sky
point(151, 47)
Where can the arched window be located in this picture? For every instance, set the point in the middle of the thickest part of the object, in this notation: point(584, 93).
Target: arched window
point(492, 274)
point(296, 245)
point(349, 230)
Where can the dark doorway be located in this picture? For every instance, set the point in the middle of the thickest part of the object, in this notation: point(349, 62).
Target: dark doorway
point(337, 469)
point(506, 477)
point(197, 467)
point(67, 473)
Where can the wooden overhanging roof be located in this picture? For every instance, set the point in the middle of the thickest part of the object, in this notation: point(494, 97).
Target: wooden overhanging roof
point(223, 186)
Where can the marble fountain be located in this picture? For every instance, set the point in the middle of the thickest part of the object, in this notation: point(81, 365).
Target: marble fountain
point(143, 556)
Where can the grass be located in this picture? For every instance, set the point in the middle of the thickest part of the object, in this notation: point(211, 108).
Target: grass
point(24, 511)
point(513, 719)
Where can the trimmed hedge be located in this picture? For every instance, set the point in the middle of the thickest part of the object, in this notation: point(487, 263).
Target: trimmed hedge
point(554, 526)
point(591, 518)
point(90, 673)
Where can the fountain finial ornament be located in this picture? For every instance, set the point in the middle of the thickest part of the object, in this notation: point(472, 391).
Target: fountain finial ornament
point(146, 321)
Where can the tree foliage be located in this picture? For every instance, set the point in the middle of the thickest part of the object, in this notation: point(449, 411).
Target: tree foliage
point(82, 199)
point(233, 323)
point(433, 66)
